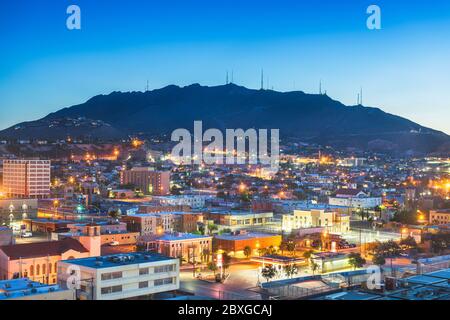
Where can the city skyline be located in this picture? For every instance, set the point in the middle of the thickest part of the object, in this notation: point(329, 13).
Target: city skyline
point(402, 68)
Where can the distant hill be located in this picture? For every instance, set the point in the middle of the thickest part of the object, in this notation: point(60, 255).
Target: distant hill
point(307, 117)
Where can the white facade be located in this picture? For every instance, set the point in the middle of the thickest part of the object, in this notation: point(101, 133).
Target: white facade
point(355, 202)
point(192, 201)
point(121, 276)
point(300, 219)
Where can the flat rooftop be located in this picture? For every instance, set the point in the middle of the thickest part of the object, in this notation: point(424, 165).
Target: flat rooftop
point(241, 213)
point(181, 236)
point(117, 260)
point(16, 288)
point(249, 235)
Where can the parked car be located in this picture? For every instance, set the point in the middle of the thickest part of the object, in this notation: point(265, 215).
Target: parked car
point(27, 234)
point(114, 243)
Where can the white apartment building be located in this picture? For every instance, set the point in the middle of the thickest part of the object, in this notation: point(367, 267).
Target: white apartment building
point(193, 201)
point(120, 276)
point(26, 178)
point(300, 219)
point(354, 198)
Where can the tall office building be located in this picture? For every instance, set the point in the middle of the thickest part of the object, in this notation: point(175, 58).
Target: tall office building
point(147, 180)
point(26, 178)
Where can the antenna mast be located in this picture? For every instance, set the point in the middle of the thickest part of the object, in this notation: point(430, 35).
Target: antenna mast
point(262, 79)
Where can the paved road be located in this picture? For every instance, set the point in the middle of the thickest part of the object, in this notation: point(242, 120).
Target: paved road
point(242, 277)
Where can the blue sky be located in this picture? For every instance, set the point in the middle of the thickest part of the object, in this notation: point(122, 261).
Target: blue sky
point(404, 68)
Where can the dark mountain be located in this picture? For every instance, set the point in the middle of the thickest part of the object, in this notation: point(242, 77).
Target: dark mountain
point(307, 117)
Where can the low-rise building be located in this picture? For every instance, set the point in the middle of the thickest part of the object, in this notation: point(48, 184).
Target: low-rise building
point(440, 217)
point(236, 220)
point(26, 289)
point(6, 236)
point(332, 221)
point(38, 261)
point(121, 276)
point(330, 261)
point(190, 247)
point(234, 243)
point(193, 201)
point(354, 198)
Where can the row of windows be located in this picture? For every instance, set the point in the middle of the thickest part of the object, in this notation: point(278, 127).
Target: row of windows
point(166, 268)
point(113, 289)
point(162, 282)
point(445, 217)
point(111, 275)
point(142, 285)
point(36, 271)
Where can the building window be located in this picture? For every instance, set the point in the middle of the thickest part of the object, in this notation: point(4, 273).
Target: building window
point(166, 268)
point(162, 282)
point(113, 289)
point(111, 275)
point(143, 271)
point(143, 284)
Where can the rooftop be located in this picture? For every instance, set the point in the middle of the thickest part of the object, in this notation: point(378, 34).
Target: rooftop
point(42, 249)
point(116, 260)
point(181, 236)
point(250, 235)
point(16, 288)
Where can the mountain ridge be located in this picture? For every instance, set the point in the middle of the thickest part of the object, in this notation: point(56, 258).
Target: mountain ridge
point(314, 118)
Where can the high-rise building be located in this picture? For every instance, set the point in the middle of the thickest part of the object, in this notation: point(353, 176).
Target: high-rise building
point(26, 178)
point(147, 180)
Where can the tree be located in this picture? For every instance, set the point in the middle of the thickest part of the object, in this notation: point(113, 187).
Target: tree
point(409, 242)
point(212, 266)
point(211, 228)
point(270, 251)
point(261, 251)
point(379, 260)
point(226, 261)
point(405, 217)
point(268, 272)
point(314, 266)
point(439, 241)
point(307, 254)
point(355, 260)
point(114, 214)
point(388, 249)
point(290, 270)
point(290, 246)
point(247, 251)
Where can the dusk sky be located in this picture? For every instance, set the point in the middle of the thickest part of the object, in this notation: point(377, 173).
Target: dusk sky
point(404, 68)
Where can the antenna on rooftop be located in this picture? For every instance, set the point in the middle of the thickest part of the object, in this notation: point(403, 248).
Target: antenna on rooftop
point(232, 76)
point(361, 97)
point(262, 79)
point(320, 86)
point(226, 81)
point(146, 87)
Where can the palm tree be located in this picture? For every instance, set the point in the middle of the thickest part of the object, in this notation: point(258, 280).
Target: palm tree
point(291, 247)
point(114, 214)
point(247, 251)
point(268, 272)
point(314, 267)
point(290, 270)
point(307, 254)
point(226, 260)
point(212, 266)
